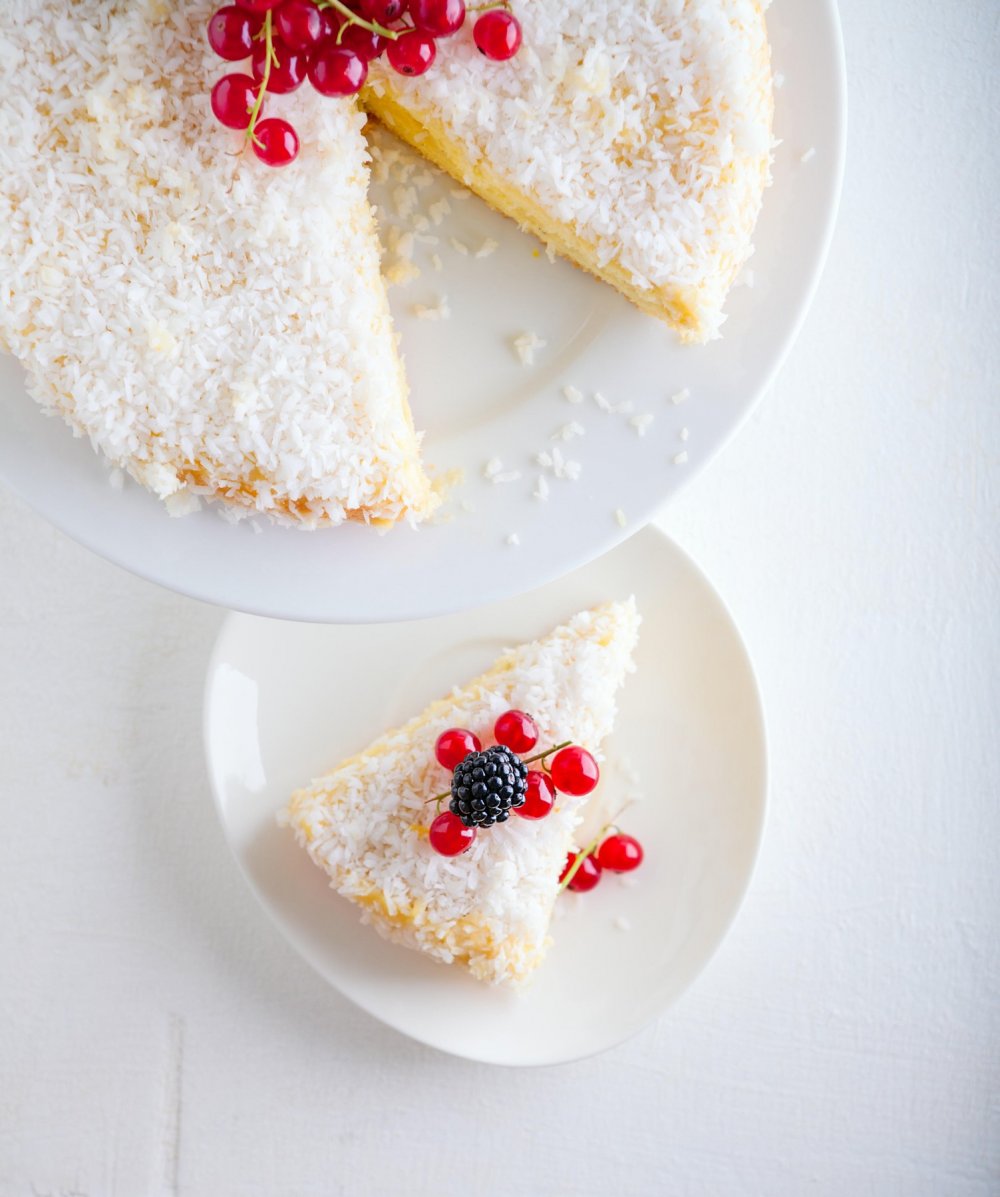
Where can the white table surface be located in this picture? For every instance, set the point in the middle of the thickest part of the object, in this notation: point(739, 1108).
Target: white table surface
point(158, 1037)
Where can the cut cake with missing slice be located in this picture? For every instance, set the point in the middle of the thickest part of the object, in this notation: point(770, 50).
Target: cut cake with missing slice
point(212, 325)
point(632, 136)
point(365, 822)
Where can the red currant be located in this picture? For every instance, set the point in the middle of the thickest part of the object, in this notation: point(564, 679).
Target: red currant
point(517, 730)
point(574, 771)
point(454, 745)
point(335, 71)
point(539, 799)
point(449, 835)
point(440, 18)
point(231, 32)
point(362, 41)
point(585, 877)
point(384, 12)
point(232, 98)
point(301, 25)
point(288, 68)
point(497, 33)
point(620, 854)
point(412, 53)
point(275, 142)
point(261, 6)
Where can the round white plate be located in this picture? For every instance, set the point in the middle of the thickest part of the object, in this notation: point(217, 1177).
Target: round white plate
point(477, 402)
point(284, 701)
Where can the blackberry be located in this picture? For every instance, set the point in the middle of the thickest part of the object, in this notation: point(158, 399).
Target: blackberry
point(487, 785)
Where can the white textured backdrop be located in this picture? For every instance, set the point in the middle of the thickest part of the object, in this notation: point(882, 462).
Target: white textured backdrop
point(157, 1037)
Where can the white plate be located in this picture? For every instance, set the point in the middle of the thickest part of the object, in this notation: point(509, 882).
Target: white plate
point(284, 701)
point(477, 402)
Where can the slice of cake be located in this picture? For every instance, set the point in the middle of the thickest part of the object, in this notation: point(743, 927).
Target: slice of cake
point(367, 821)
point(212, 325)
point(633, 136)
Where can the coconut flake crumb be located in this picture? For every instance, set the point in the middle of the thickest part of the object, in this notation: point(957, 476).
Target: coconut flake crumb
point(404, 201)
point(460, 193)
point(684, 433)
point(436, 263)
point(555, 462)
point(493, 471)
point(572, 394)
point(513, 539)
point(620, 519)
point(622, 923)
point(680, 458)
point(489, 246)
point(182, 503)
point(399, 242)
point(439, 210)
point(459, 246)
point(568, 431)
point(605, 404)
point(642, 422)
point(437, 311)
point(679, 397)
point(541, 491)
point(400, 272)
point(525, 344)
point(808, 155)
point(779, 80)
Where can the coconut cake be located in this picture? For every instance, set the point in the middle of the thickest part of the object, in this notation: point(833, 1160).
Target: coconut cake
point(632, 136)
point(213, 326)
point(366, 821)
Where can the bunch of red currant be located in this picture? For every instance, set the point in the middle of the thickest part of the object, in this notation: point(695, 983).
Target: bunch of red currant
point(614, 853)
point(571, 770)
point(331, 43)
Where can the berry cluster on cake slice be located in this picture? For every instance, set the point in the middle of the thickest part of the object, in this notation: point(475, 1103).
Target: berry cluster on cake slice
point(632, 136)
point(368, 823)
point(213, 327)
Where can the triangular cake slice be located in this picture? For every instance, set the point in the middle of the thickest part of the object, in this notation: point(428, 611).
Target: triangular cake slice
point(366, 822)
point(633, 136)
point(214, 326)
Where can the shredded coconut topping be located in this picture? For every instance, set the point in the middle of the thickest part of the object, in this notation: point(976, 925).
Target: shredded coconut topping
point(643, 125)
point(201, 336)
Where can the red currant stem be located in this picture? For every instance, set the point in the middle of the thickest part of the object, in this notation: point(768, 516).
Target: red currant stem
point(488, 7)
point(581, 856)
point(527, 761)
point(354, 19)
point(585, 852)
point(258, 103)
point(540, 756)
